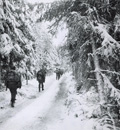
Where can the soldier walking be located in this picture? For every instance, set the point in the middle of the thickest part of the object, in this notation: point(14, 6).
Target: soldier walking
point(12, 82)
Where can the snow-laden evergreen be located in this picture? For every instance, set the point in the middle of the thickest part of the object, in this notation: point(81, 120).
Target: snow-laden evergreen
point(24, 42)
point(91, 50)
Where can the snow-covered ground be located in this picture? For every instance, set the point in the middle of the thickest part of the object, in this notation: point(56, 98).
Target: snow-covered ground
point(58, 107)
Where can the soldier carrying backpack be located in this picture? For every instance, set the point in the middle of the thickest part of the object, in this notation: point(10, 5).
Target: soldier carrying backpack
point(41, 74)
point(13, 81)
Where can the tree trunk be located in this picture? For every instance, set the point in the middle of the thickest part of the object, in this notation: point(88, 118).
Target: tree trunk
point(26, 77)
point(0, 73)
point(100, 82)
point(11, 60)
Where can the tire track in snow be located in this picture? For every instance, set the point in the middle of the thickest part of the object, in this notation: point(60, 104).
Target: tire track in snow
point(54, 115)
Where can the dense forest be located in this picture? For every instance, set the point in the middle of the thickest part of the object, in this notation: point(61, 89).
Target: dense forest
point(23, 42)
point(91, 49)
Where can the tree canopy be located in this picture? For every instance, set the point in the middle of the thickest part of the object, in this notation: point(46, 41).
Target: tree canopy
point(92, 43)
point(91, 49)
point(22, 40)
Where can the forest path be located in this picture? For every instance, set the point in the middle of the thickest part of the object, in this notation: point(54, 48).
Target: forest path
point(26, 95)
point(40, 112)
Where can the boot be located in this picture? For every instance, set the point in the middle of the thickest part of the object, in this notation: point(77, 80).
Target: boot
point(12, 104)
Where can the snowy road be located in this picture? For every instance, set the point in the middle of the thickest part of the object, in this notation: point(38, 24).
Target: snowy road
point(42, 113)
point(55, 108)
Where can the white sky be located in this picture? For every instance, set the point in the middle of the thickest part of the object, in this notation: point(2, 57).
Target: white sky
point(60, 38)
point(44, 1)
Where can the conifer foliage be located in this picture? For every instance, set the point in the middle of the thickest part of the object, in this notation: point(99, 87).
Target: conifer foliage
point(93, 47)
point(14, 32)
point(16, 38)
point(23, 42)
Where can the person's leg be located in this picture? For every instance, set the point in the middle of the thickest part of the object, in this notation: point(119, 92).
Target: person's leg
point(42, 86)
point(13, 96)
point(44, 78)
point(39, 86)
point(56, 76)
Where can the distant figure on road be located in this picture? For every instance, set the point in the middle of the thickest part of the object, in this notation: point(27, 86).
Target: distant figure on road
point(41, 74)
point(59, 73)
point(12, 81)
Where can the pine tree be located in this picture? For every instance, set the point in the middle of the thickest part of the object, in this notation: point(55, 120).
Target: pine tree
point(15, 35)
point(93, 46)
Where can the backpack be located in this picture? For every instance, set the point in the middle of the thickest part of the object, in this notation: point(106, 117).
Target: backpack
point(10, 76)
point(40, 76)
point(13, 78)
point(40, 72)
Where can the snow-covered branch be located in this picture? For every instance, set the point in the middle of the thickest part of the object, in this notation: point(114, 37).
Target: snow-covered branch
point(101, 30)
point(115, 93)
point(112, 72)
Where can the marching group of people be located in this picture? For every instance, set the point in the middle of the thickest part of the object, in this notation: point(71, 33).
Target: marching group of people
point(13, 80)
point(59, 73)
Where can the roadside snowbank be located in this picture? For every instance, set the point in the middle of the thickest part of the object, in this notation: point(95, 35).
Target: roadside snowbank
point(80, 108)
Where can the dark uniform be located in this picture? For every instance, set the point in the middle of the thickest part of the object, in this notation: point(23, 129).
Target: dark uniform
point(41, 74)
point(12, 81)
point(59, 73)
